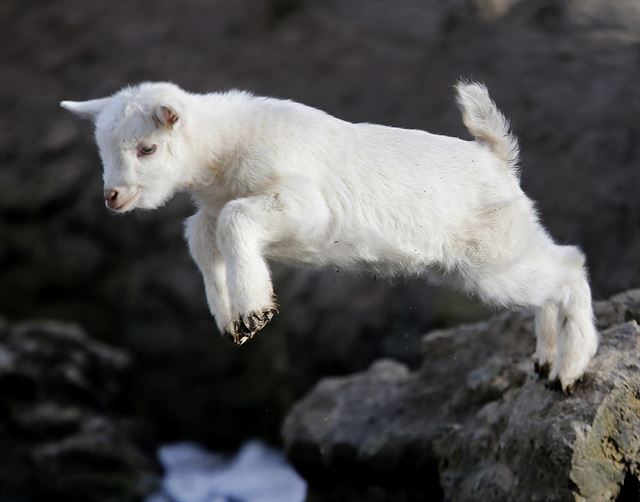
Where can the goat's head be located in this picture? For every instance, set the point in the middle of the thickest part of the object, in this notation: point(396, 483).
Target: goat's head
point(140, 136)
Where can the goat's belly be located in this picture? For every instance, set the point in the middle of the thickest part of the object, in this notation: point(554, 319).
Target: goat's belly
point(314, 254)
point(381, 254)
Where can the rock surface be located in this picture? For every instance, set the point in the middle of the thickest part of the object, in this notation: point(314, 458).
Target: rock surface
point(60, 438)
point(476, 423)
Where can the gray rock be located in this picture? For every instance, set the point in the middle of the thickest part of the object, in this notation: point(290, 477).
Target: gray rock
point(476, 423)
point(62, 435)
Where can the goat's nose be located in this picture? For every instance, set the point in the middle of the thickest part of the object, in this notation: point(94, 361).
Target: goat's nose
point(110, 194)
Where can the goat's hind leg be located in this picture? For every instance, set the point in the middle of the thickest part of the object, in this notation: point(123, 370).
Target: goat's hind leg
point(553, 280)
point(546, 329)
point(578, 337)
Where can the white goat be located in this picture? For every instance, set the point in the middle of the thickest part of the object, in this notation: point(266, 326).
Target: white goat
point(276, 179)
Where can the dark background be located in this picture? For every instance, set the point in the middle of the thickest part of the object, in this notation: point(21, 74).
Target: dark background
point(565, 73)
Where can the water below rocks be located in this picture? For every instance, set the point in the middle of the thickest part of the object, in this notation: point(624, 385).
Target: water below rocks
point(256, 473)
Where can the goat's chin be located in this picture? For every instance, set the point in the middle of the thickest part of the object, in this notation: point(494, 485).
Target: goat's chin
point(152, 203)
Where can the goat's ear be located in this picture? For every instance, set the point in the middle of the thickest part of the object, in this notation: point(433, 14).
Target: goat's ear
point(166, 116)
point(85, 109)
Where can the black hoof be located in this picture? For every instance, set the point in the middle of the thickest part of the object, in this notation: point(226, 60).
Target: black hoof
point(249, 325)
point(542, 370)
point(556, 385)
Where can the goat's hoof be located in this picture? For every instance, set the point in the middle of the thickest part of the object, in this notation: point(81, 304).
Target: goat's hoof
point(569, 388)
point(558, 386)
point(553, 385)
point(249, 325)
point(542, 370)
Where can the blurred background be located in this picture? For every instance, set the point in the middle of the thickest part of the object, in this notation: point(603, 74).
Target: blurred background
point(564, 72)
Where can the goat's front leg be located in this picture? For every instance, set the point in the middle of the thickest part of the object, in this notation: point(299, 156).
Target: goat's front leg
point(200, 231)
point(245, 227)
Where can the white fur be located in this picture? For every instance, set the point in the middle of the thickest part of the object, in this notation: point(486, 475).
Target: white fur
point(278, 180)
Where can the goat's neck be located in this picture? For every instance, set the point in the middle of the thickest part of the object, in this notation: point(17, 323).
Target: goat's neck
point(220, 132)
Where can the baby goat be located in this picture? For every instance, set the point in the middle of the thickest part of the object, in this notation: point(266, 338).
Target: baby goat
point(278, 180)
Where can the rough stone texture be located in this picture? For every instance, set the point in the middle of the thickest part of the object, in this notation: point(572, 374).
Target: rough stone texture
point(476, 423)
point(565, 73)
point(61, 438)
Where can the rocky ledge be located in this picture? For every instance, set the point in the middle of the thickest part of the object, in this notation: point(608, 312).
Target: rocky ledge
point(476, 423)
point(60, 438)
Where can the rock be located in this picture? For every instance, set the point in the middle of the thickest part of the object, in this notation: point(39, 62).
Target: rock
point(476, 423)
point(62, 436)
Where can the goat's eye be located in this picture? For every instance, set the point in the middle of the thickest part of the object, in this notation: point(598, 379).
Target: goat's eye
point(146, 150)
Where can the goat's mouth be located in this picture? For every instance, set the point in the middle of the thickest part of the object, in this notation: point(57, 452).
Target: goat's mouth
point(128, 204)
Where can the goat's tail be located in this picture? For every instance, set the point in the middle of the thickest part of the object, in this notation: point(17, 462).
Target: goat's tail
point(486, 123)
